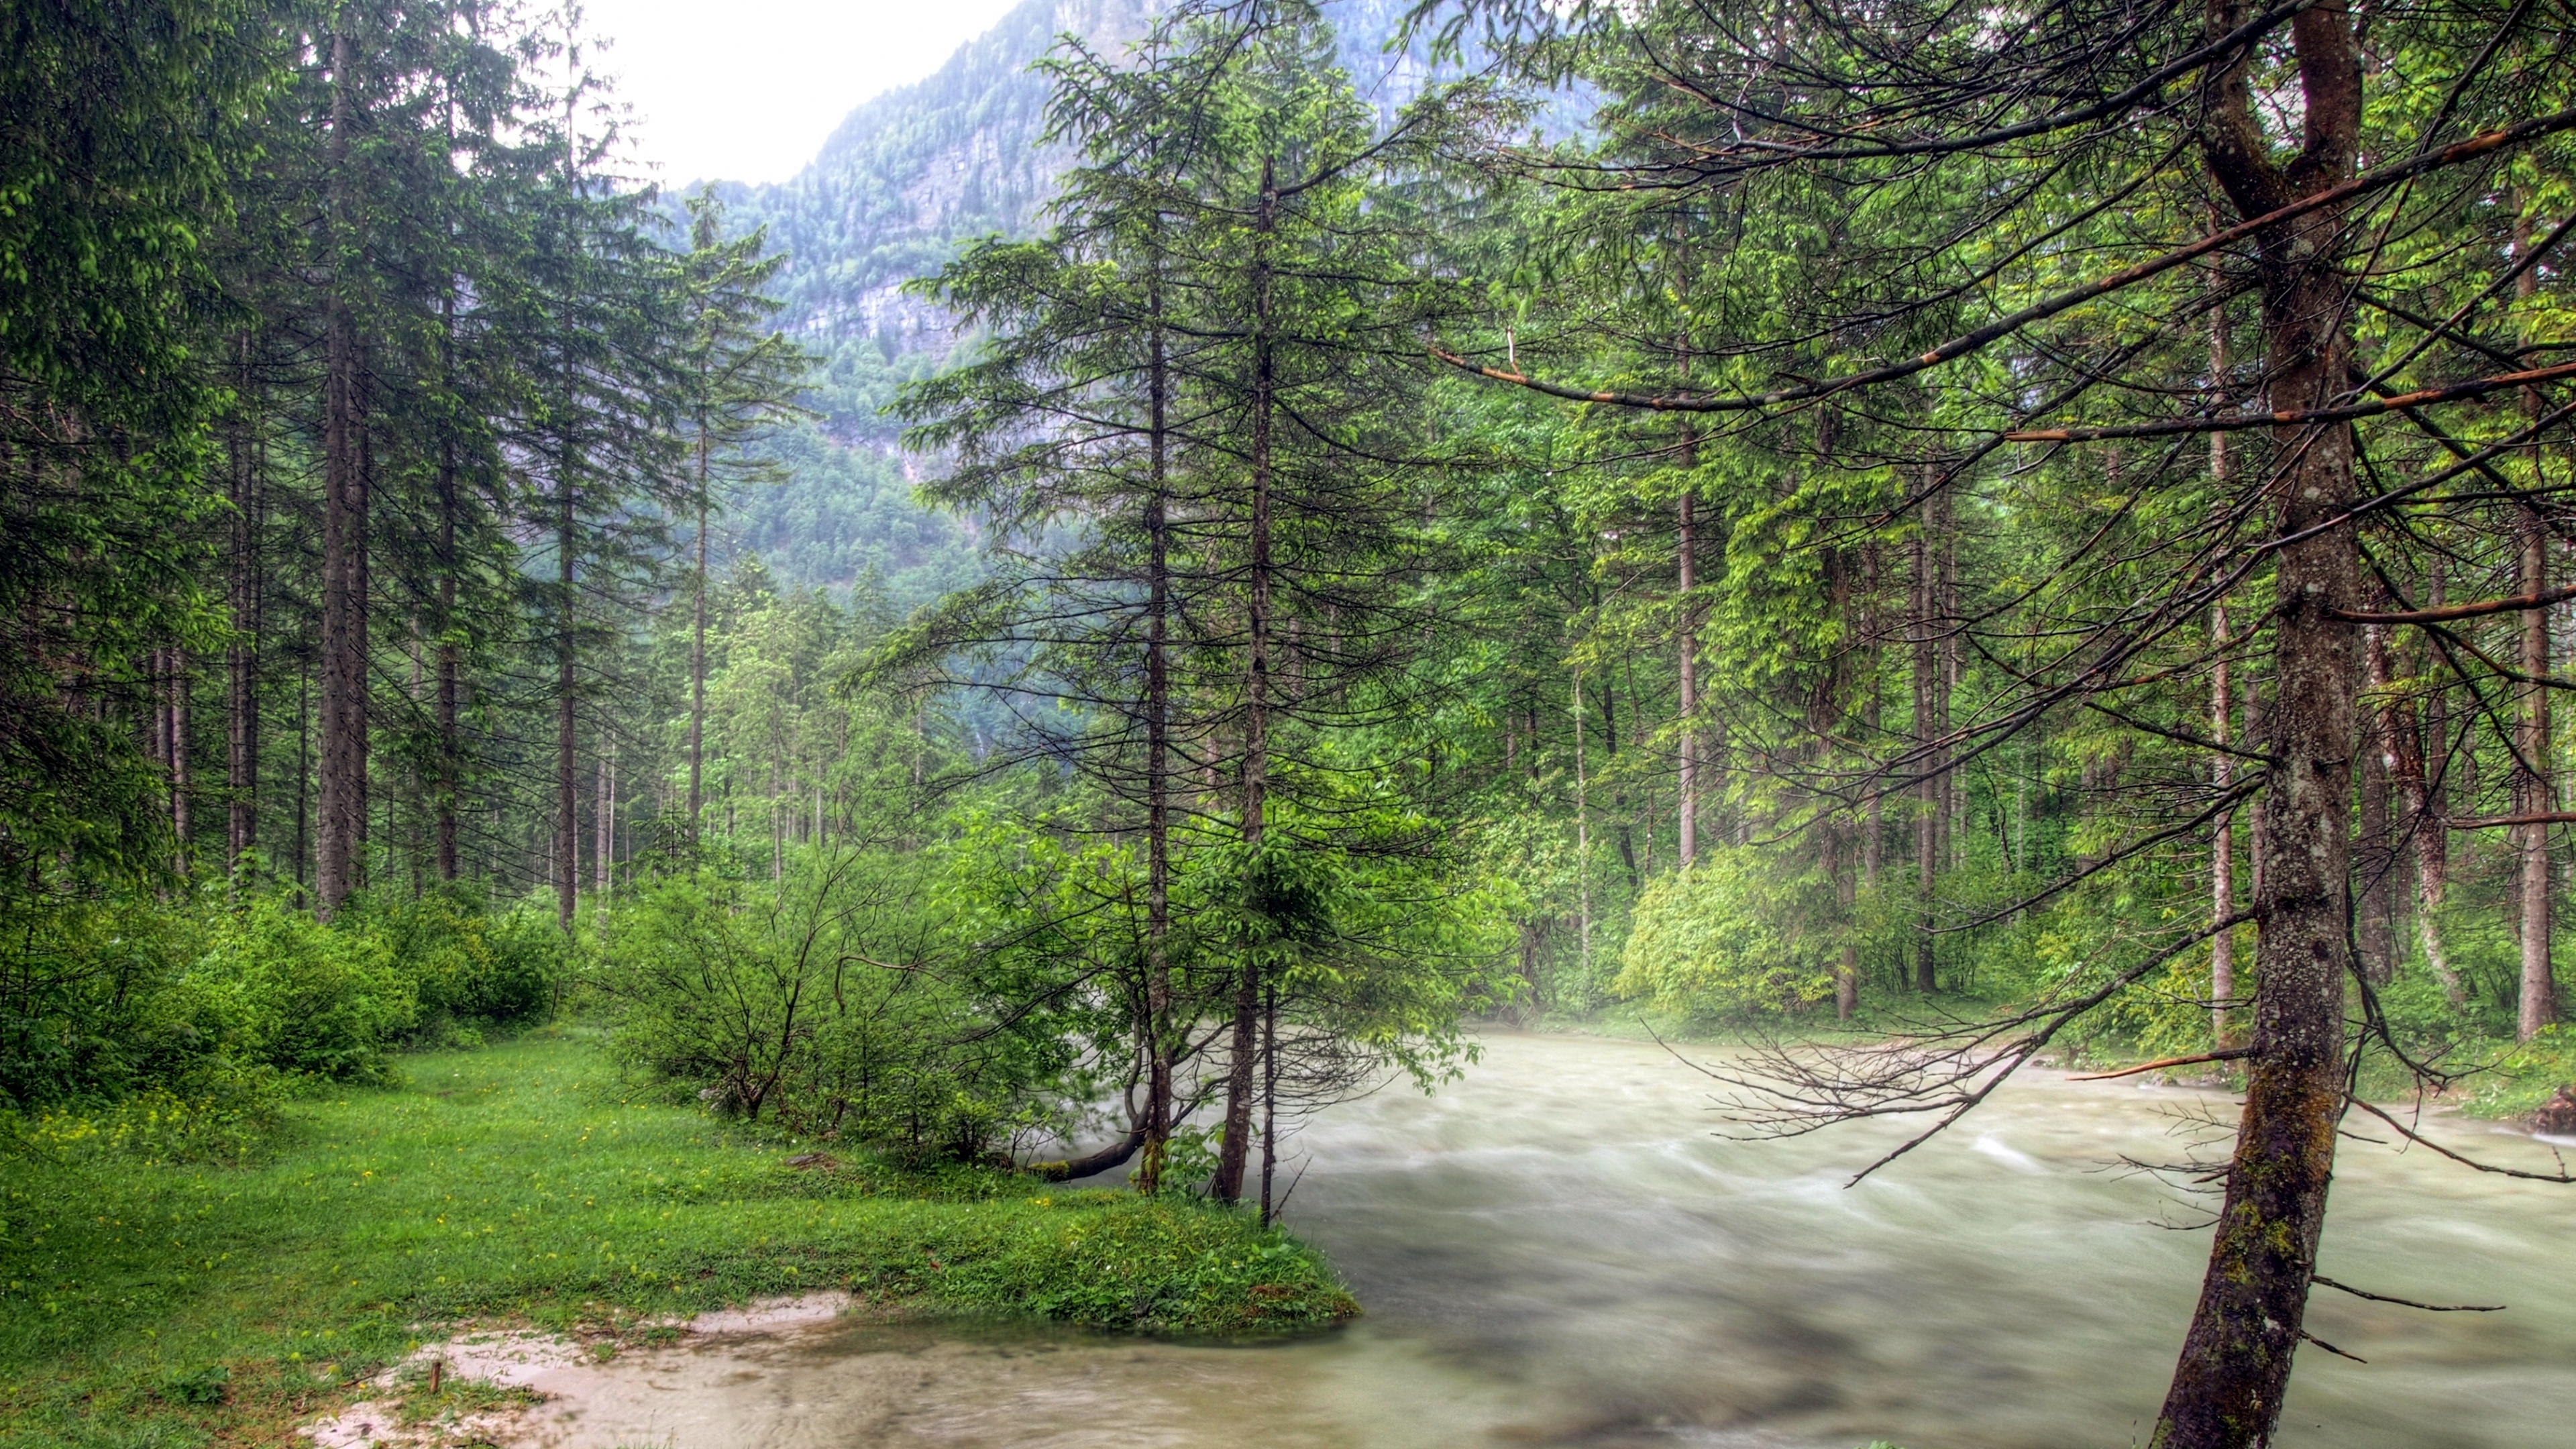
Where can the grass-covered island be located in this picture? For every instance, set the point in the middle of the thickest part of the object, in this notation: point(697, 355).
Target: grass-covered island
point(148, 1302)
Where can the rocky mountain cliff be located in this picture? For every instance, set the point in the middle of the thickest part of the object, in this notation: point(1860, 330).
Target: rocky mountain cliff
point(913, 173)
point(906, 180)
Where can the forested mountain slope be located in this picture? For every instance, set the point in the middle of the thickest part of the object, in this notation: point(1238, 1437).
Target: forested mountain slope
point(909, 177)
point(912, 173)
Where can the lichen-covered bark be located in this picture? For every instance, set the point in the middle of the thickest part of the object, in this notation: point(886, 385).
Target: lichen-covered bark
point(2235, 1364)
point(2236, 1360)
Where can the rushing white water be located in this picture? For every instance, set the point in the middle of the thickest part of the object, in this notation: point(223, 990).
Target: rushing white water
point(1560, 1250)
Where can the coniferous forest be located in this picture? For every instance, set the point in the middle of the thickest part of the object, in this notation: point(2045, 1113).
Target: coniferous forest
point(1894, 548)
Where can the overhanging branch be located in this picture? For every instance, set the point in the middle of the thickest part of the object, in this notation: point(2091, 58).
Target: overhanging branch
point(2296, 417)
point(2447, 612)
point(1969, 342)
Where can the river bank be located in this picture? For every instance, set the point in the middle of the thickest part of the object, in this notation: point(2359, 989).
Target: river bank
point(517, 1186)
point(1561, 1249)
point(2494, 1078)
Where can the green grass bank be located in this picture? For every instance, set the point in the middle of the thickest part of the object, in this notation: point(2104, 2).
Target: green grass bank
point(155, 1303)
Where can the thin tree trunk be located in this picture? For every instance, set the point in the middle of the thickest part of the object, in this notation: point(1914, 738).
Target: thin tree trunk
point(1838, 867)
point(2258, 730)
point(342, 520)
point(304, 773)
point(1873, 836)
point(1228, 1186)
point(567, 863)
point(362, 624)
point(1159, 1026)
point(698, 645)
point(412, 844)
point(241, 675)
point(2222, 850)
point(2532, 794)
point(451, 745)
point(1269, 1094)
point(2376, 926)
point(2235, 1362)
point(604, 823)
point(1688, 805)
point(1946, 679)
point(1582, 840)
point(2534, 789)
point(1927, 791)
point(2428, 808)
point(1623, 821)
point(156, 716)
point(180, 784)
point(2222, 709)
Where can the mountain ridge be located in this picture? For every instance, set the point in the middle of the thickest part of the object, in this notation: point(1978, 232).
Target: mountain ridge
point(913, 173)
point(907, 178)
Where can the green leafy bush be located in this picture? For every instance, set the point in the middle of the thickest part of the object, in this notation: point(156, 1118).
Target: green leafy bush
point(470, 966)
point(808, 1002)
point(1741, 932)
point(273, 987)
point(85, 1009)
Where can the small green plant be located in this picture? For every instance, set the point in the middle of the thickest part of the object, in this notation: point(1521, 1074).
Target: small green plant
point(204, 1386)
point(457, 1398)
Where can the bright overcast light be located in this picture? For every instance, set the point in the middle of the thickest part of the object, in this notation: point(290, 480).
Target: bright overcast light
point(746, 90)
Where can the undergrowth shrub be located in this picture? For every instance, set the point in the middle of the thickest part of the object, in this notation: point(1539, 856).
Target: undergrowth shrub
point(807, 1003)
point(1741, 932)
point(273, 987)
point(170, 1027)
point(471, 968)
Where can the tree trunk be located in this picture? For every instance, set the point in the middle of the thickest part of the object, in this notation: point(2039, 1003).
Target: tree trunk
point(1873, 826)
point(2222, 707)
point(1159, 1026)
point(2431, 806)
point(2417, 818)
point(1228, 1185)
point(2222, 850)
point(1952, 840)
point(1688, 805)
point(698, 645)
point(1927, 790)
point(2235, 1362)
point(1269, 1095)
point(2532, 792)
point(451, 745)
point(303, 773)
point(343, 519)
point(413, 849)
point(180, 784)
point(2534, 787)
point(567, 862)
point(1838, 868)
point(361, 627)
point(241, 673)
point(2376, 926)
point(603, 820)
point(1582, 843)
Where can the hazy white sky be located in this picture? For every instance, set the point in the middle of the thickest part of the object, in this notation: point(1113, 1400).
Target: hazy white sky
point(746, 90)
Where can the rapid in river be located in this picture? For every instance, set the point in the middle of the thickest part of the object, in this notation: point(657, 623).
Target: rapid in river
point(1561, 1249)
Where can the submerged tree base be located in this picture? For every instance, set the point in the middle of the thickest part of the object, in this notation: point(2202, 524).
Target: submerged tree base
point(521, 1185)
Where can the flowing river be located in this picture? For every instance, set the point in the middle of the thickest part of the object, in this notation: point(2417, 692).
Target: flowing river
point(1559, 1250)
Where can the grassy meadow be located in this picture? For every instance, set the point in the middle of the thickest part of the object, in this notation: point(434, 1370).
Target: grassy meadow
point(150, 1302)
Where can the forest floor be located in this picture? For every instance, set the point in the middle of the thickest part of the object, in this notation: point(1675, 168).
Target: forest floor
point(525, 1186)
